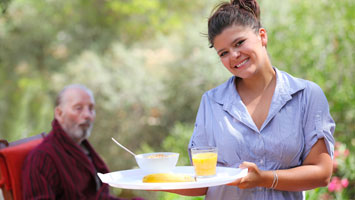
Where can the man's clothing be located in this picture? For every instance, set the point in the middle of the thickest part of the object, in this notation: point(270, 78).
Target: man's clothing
point(58, 168)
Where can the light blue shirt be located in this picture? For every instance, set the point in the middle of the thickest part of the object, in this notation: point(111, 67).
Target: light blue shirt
point(298, 117)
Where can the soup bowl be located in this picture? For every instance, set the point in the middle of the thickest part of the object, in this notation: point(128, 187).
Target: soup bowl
point(157, 162)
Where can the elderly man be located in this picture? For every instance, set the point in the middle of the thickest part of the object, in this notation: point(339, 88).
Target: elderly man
point(65, 165)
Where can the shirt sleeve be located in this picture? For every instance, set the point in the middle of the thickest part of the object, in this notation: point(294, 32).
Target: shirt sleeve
point(39, 177)
point(318, 122)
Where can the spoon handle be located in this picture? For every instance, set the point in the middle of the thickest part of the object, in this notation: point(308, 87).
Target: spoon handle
point(123, 147)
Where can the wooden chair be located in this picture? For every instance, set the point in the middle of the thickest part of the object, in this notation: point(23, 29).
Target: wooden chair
point(12, 156)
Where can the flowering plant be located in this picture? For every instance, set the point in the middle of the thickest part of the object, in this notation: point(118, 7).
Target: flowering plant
point(342, 183)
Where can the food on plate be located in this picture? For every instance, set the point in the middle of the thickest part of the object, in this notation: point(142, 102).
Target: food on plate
point(167, 177)
point(159, 156)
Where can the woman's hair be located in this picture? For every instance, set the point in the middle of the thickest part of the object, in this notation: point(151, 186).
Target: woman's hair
point(237, 12)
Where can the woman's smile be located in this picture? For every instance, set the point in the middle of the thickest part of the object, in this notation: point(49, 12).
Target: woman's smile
point(241, 64)
point(241, 50)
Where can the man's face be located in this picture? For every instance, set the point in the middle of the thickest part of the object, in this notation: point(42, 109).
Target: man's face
point(76, 113)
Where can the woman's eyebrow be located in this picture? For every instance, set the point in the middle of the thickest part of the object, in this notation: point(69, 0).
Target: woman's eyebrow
point(235, 40)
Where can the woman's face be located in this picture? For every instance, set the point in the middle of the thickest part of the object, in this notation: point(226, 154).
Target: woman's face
point(241, 50)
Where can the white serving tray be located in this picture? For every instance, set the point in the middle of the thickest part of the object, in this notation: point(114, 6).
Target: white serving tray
point(132, 179)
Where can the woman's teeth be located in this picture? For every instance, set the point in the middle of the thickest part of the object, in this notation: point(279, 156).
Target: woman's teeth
point(242, 63)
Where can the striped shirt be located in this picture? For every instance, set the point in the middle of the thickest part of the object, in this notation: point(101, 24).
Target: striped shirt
point(59, 169)
point(297, 118)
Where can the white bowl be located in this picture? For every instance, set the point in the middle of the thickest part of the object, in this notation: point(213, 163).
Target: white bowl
point(157, 162)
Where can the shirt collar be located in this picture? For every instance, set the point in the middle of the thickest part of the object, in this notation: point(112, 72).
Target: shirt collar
point(227, 96)
point(224, 93)
point(286, 86)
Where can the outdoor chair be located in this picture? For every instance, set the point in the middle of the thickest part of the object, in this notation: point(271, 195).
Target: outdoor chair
point(12, 156)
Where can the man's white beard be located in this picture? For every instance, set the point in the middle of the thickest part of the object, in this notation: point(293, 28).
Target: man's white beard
point(83, 133)
point(77, 132)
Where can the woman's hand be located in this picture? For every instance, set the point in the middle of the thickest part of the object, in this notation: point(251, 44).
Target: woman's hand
point(315, 171)
point(253, 179)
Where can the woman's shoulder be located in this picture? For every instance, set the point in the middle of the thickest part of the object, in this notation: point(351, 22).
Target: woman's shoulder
point(293, 84)
point(221, 93)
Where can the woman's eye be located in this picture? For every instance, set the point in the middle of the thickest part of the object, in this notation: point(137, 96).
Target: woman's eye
point(222, 54)
point(239, 43)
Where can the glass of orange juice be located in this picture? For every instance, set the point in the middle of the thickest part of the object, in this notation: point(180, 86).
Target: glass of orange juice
point(204, 160)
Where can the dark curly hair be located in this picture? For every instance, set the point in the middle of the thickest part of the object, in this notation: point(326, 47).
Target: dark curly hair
point(237, 12)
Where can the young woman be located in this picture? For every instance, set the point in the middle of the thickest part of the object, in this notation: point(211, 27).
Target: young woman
point(263, 119)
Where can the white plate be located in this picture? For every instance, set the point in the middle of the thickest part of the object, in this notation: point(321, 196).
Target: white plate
point(132, 179)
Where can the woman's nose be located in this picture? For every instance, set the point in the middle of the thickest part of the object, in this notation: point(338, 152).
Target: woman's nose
point(235, 53)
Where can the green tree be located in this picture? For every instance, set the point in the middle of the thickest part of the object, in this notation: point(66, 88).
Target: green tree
point(148, 63)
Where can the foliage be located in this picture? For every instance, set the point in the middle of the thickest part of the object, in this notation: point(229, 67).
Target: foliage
point(177, 142)
point(172, 196)
point(148, 64)
point(343, 178)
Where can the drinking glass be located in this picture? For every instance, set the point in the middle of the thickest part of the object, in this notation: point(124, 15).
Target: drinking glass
point(204, 160)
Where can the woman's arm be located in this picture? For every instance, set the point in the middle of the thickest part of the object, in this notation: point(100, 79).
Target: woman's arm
point(188, 192)
point(315, 171)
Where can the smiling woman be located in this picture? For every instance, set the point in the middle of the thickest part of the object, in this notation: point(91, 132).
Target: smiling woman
point(253, 116)
point(242, 51)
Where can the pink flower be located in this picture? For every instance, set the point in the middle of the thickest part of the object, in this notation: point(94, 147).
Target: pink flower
point(336, 153)
point(346, 153)
point(337, 144)
point(338, 187)
point(332, 184)
point(331, 187)
point(336, 184)
point(344, 182)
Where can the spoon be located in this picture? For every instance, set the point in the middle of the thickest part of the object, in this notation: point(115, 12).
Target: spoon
point(123, 147)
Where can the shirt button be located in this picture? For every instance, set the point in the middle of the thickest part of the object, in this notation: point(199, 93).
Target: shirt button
point(261, 161)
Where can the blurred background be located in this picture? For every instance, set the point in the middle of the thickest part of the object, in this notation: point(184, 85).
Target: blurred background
point(148, 64)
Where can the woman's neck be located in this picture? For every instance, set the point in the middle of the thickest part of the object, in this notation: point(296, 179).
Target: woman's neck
point(262, 80)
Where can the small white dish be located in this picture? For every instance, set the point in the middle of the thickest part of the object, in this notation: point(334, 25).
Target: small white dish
point(157, 162)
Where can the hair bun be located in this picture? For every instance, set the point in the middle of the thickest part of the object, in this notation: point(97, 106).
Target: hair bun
point(248, 5)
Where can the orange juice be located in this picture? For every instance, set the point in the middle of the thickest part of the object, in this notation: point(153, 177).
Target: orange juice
point(205, 163)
